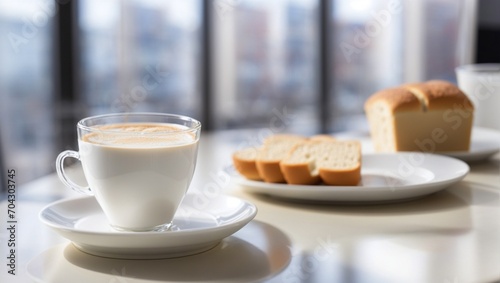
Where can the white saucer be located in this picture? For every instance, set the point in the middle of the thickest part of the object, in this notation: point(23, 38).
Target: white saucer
point(199, 225)
point(484, 144)
point(385, 178)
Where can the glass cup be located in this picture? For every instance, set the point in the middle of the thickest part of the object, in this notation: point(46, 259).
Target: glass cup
point(481, 83)
point(138, 166)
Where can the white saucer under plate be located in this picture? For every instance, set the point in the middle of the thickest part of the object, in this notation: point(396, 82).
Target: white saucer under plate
point(199, 224)
point(385, 178)
point(484, 144)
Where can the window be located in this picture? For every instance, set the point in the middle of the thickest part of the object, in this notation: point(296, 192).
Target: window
point(27, 117)
point(140, 56)
point(367, 55)
point(384, 43)
point(261, 59)
point(266, 62)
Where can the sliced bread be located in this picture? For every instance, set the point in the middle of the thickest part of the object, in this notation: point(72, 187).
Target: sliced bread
point(268, 157)
point(340, 163)
point(299, 166)
point(244, 162)
point(332, 162)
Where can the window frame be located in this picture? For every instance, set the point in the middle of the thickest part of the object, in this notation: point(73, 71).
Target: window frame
point(67, 80)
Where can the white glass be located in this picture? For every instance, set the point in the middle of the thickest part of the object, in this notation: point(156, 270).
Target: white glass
point(481, 83)
point(138, 166)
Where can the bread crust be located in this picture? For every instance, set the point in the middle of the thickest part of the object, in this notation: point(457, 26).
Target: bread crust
point(247, 168)
point(341, 177)
point(270, 171)
point(396, 99)
point(438, 94)
point(430, 95)
point(299, 174)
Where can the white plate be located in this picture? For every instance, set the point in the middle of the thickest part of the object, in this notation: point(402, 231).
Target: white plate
point(199, 225)
point(484, 144)
point(385, 178)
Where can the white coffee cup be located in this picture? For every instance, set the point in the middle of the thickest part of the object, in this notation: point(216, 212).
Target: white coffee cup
point(138, 166)
point(481, 83)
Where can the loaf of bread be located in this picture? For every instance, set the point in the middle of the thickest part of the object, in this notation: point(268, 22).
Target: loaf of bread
point(333, 162)
point(434, 116)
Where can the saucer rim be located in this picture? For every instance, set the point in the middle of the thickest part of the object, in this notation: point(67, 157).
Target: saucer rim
point(149, 245)
point(475, 154)
point(114, 233)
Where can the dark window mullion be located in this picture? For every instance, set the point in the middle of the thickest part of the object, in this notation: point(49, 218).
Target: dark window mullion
point(325, 75)
point(3, 172)
point(206, 66)
point(66, 58)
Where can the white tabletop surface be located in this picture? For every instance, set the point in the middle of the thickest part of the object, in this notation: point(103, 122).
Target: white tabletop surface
point(452, 236)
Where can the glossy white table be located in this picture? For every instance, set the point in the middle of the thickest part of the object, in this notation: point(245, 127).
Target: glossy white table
point(452, 236)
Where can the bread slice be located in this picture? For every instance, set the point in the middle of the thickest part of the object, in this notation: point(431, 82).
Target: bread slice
point(342, 165)
point(332, 162)
point(268, 158)
point(299, 166)
point(244, 162)
point(434, 116)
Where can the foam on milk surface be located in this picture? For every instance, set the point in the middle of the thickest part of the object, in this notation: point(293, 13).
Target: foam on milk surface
point(138, 135)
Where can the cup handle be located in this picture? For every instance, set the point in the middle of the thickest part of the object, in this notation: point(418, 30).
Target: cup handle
point(62, 174)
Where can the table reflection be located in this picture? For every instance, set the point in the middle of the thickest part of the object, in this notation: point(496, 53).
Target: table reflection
point(256, 252)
